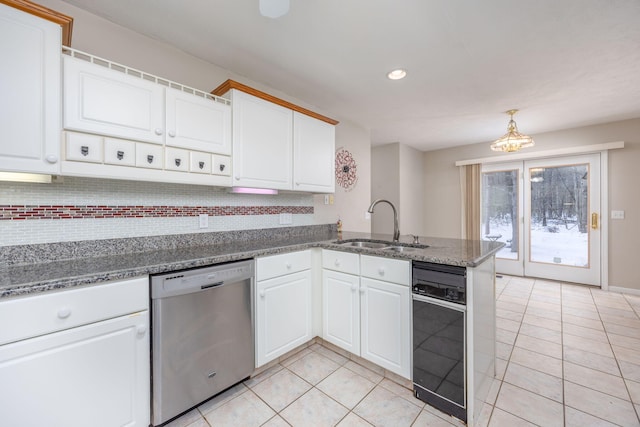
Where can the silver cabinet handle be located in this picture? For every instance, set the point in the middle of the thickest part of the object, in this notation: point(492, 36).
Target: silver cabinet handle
point(222, 168)
point(201, 165)
point(178, 161)
point(149, 158)
point(120, 155)
point(84, 150)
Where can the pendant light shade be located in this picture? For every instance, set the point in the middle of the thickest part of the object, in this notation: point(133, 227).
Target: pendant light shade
point(512, 140)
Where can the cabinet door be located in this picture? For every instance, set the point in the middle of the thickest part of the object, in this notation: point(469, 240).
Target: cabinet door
point(30, 88)
point(341, 310)
point(386, 325)
point(313, 154)
point(283, 315)
point(108, 102)
point(262, 143)
point(197, 123)
point(96, 375)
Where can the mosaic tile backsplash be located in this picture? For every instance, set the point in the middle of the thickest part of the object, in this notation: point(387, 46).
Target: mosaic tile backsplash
point(85, 209)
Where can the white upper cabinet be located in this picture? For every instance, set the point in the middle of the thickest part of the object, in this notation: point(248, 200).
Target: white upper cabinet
point(313, 154)
point(197, 123)
point(277, 144)
point(108, 102)
point(262, 143)
point(30, 93)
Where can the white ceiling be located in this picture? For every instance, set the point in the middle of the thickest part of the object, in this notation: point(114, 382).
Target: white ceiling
point(564, 64)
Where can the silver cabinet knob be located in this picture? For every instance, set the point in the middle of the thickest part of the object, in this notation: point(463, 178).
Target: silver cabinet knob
point(120, 155)
point(149, 158)
point(84, 150)
point(201, 165)
point(178, 161)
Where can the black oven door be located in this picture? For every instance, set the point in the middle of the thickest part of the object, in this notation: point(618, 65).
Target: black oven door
point(439, 354)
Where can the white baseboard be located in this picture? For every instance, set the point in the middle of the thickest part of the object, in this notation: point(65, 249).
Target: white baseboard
point(622, 290)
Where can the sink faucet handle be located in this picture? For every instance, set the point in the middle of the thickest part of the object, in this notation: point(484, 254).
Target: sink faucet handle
point(416, 238)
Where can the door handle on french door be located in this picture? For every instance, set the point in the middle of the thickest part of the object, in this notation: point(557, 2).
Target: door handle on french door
point(594, 221)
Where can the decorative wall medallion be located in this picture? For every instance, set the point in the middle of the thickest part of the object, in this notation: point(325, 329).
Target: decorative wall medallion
point(346, 169)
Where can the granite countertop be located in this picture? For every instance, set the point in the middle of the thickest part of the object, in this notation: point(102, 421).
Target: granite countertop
point(78, 269)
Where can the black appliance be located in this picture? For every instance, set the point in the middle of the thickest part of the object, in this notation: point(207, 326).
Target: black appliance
point(439, 336)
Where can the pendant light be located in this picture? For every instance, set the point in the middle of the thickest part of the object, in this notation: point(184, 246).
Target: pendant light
point(512, 140)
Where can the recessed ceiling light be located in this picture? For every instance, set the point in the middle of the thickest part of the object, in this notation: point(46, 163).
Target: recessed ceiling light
point(397, 74)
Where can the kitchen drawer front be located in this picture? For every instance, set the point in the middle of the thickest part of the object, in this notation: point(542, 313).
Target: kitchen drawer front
point(200, 162)
point(221, 165)
point(344, 262)
point(176, 159)
point(31, 316)
point(149, 156)
point(83, 147)
point(119, 152)
point(278, 265)
point(386, 269)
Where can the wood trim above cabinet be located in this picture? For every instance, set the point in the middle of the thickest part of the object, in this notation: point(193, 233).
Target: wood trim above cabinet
point(66, 22)
point(232, 84)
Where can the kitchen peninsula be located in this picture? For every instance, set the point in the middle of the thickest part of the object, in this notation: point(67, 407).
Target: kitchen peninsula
point(55, 269)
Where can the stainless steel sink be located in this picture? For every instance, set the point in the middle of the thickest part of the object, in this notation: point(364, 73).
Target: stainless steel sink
point(364, 244)
point(400, 249)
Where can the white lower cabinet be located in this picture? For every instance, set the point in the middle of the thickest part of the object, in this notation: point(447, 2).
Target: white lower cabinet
point(91, 368)
point(367, 308)
point(341, 310)
point(385, 325)
point(283, 304)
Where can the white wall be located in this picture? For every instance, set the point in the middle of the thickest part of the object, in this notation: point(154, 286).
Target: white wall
point(442, 206)
point(385, 182)
point(396, 175)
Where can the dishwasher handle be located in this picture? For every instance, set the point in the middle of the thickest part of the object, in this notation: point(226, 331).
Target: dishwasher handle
point(211, 285)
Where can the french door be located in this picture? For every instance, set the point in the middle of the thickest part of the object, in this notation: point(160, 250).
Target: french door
point(547, 212)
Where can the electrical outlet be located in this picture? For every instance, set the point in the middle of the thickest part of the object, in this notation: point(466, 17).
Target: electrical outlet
point(330, 199)
point(326, 199)
point(286, 218)
point(203, 221)
point(617, 214)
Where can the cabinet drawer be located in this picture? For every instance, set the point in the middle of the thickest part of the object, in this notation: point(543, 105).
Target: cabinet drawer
point(344, 262)
point(279, 265)
point(41, 314)
point(386, 269)
point(119, 152)
point(199, 162)
point(149, 156)
point(176, 159)
point(221, 165)
point(83, 147)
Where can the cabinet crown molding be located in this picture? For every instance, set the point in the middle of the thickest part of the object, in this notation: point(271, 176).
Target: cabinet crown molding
point(232, 84)
point(66, 22)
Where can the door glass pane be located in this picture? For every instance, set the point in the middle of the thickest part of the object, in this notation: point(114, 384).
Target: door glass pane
point(500, 215)
point(559, 215)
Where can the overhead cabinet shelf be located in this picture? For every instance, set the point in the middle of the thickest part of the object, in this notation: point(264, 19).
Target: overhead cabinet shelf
point(156, 128)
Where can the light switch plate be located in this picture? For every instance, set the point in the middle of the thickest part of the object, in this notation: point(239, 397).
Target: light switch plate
point(617, 214)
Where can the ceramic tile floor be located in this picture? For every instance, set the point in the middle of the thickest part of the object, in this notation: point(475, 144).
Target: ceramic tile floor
point(567, 355)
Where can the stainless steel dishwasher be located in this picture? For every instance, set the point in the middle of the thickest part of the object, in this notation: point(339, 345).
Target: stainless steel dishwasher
point(202, 335)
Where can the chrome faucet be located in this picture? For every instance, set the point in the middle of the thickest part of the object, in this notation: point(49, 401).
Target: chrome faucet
point(396, 231)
